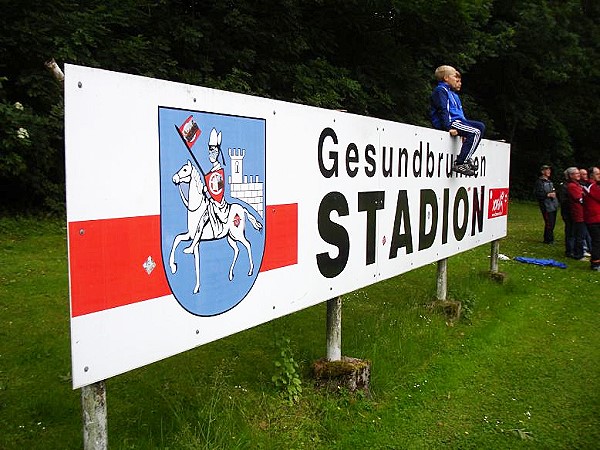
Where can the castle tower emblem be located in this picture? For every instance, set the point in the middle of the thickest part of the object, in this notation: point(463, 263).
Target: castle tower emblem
point(245, 187)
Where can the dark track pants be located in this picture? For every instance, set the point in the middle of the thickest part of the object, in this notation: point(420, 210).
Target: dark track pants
point(472, 131)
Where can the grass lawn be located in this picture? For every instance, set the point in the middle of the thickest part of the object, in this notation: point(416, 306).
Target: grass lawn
point(520, 370)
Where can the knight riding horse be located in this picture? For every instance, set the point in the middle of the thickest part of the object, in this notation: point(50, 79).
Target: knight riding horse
point(210, 216)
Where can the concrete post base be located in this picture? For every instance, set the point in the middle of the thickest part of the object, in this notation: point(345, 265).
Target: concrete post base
point(350, 373)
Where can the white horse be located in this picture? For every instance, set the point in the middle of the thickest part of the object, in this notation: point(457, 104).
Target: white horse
point(233, 226)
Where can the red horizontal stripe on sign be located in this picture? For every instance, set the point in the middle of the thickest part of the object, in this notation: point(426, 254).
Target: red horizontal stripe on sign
point(281, 246)
point(107, 260)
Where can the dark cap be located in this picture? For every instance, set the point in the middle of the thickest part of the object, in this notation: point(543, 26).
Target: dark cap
point(544, 167)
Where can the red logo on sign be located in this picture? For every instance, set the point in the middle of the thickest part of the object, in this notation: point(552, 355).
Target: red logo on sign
point(498, 205)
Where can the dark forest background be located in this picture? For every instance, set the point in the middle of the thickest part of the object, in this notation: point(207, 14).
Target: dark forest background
point(530, 68)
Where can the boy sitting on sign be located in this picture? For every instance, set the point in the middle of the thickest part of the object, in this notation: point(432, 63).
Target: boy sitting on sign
point(447, 114)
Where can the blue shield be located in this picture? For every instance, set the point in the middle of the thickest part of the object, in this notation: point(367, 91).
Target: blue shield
point(212, 246)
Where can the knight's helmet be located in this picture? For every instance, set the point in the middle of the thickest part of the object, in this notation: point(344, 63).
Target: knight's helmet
point(215, 139)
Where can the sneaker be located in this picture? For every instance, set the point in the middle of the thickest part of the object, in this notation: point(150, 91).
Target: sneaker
point(463, 169)
point(469, 162)
point(596, 268)
point(587, 254)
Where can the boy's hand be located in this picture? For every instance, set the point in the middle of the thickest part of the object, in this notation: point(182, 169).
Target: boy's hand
point(453, 132)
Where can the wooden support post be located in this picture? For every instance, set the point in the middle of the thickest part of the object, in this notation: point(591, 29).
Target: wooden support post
point(494, 256)
point(500, 277)
point(336, 371)
point(95, 430)
point(451, 308)
point(334, 329)
point(442, 279)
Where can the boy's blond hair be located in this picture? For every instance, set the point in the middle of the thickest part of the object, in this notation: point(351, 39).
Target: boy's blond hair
point(444, 71)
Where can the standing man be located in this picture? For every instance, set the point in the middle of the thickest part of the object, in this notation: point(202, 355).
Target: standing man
point(546, 197)
point(565, 212)
point(575, 195)
point(587, 239)
point(591, 212)
point(583, 177)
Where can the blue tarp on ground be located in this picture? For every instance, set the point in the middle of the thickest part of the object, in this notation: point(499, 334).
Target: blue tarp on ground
point(541, 262)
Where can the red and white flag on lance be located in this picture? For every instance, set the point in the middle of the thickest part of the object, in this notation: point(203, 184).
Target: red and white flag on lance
point(190, 131)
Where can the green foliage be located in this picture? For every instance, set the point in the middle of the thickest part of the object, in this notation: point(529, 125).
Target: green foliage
point(14, 139)
point(320, 84)
point(529, 68)
point(467, 300)
point(538, 88)
point(30, 167)
point(286, 377)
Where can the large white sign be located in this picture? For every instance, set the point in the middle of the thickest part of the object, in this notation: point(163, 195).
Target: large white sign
point(194, 213)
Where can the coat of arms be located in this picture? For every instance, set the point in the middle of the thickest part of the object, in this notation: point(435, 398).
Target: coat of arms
point(212, 210)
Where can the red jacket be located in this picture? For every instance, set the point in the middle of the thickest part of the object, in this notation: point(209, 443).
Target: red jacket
point(591, 204)
point(575, 192)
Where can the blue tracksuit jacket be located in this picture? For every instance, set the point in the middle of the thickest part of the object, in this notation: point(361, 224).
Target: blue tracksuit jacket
point(445, 107)
point(447, 113)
